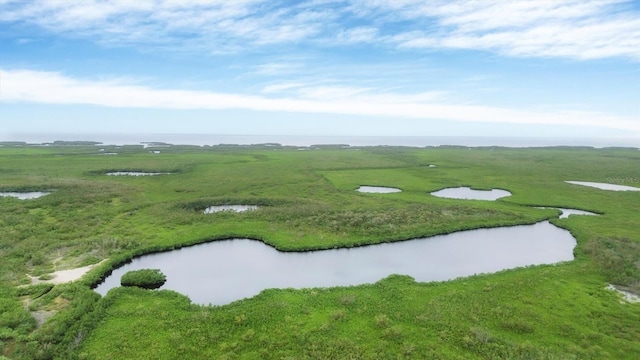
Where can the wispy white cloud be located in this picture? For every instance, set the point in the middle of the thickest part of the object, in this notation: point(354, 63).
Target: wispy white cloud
point(576, 29)
point(324, 91)
point(362, 34)
point(281, 87)
point(279, 68)
point(218, 23)
point(26, 86)
point(527, 28)
point(332, 92)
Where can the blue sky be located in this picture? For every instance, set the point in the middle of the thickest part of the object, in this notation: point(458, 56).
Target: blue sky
point(321, 67)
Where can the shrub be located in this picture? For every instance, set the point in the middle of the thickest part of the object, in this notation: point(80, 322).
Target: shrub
point(618, 258)
point(144, 278)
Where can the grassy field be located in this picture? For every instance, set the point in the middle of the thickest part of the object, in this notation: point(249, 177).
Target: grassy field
point(307, 201)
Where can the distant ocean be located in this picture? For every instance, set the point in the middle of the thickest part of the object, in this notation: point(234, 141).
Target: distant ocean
point(295, 140)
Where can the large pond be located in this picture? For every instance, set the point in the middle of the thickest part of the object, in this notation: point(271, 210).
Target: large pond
point(220, 272)
point(24, 195)
point(604, 186)
point(468, 193)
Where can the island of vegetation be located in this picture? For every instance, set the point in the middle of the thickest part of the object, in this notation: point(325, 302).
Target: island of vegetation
point(144, 278)
point(307, 202)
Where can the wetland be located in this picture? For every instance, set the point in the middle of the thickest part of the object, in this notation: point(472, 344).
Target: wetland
point(547, 308)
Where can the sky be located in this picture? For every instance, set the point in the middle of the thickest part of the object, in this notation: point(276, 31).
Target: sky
point(529, 68)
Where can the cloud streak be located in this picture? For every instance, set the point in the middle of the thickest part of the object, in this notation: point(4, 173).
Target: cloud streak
point(26, 86)
point(575, 29)
point(571, 29)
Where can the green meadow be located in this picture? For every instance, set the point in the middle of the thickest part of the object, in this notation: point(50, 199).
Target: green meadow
point(307, 201)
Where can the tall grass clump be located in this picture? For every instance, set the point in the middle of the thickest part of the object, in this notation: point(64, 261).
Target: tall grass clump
point(144, 278)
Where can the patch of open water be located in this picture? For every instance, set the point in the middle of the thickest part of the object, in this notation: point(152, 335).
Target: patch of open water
point(628, 297)
point(233, 208)
point(135, 173)
point(565, 213)
point(24, 195)
point(468, 193)
point(378, 189)
point(604, 186)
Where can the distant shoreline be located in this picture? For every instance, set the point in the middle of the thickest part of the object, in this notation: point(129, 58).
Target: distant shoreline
point(310, 140)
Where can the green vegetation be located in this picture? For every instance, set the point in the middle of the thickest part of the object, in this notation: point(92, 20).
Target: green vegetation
point(307, 201)
point(144, 278)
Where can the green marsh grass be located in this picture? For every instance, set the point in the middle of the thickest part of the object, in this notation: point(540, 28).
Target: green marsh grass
point(308, 201)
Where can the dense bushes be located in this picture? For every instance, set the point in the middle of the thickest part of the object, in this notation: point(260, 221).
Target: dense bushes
point(14, 319)
point(75, 307)
point(618, 258)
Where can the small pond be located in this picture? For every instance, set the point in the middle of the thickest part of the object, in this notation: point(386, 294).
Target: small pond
point(233, 208)
point(24, 195)
point(605, 186)
point(221, 272)
point(378, 189)
point(468, 193)
point(629, 297)
point(134, 173)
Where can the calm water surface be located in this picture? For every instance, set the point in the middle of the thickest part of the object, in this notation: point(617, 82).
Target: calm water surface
point(221, 272)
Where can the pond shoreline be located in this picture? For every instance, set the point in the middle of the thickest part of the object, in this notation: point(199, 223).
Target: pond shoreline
point(252, 265)
point(109, 266)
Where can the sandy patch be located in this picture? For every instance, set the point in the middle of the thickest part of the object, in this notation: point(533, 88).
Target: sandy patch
point(65, 276)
